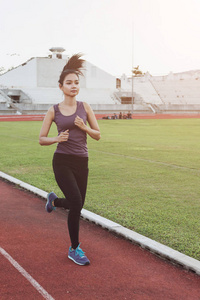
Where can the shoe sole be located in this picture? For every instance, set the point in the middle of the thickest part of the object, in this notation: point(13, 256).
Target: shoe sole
point(86, 264)
point(47, 204)
point(47, 210)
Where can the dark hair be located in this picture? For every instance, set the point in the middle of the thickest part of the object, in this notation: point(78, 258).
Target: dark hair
point(73, 66)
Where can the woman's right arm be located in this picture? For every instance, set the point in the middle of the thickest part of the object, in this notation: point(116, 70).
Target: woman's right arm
point(44, 140)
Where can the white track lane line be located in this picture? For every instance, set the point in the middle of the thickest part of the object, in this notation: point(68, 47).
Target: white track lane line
point(32, 281)
point(147, 160)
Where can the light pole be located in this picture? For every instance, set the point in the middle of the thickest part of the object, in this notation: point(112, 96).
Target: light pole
point(132, 94)
point(132, 100)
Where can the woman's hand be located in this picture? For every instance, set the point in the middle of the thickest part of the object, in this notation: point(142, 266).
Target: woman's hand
point(63, 136)
point(80, 123)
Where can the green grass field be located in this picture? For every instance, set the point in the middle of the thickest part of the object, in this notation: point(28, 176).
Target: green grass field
point(144, 174)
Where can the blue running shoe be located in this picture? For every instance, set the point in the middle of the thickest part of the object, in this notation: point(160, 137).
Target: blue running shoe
point(78, 256)
point(50, 198)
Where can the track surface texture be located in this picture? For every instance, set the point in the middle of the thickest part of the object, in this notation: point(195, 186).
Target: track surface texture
point(39, 243)
point(10, 118)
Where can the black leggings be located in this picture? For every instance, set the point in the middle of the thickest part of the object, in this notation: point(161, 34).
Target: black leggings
point(71, 174)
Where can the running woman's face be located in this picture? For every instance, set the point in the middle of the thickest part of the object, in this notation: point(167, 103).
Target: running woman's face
point(70, 85)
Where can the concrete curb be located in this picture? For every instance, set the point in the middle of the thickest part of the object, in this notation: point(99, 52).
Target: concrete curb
point(168, 253)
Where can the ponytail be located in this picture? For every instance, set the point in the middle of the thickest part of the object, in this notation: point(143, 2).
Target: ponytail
point(74, 65)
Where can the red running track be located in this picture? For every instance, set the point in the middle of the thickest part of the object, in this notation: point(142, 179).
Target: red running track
point(39, 241)
point(8, 118)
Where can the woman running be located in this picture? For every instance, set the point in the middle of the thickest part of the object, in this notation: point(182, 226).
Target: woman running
point(70, 160)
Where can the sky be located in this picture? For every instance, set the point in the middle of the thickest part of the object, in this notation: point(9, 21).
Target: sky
point(160, 36)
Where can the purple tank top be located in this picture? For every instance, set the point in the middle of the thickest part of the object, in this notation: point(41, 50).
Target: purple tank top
point(77, 142)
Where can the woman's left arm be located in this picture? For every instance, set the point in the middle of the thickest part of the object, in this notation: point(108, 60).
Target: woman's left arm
point(93, 130)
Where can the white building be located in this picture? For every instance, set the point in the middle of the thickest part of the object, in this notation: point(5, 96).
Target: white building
point(33, 86)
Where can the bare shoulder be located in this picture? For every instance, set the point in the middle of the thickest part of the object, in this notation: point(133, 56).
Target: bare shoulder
point(51, 109)
point(87, 107)
point(50, 113)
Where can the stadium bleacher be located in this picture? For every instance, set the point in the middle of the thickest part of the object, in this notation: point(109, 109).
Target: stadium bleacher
point(179, 92)
point(151, 95)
